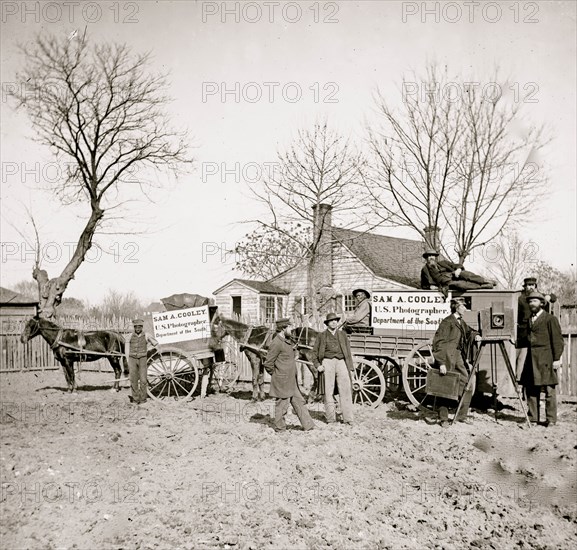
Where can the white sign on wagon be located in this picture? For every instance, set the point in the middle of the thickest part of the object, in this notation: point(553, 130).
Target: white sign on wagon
point(423, 310)
point(182, 324)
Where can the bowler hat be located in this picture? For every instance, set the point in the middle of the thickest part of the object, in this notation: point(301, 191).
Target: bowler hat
point(361, 290)
point(282, 323)
point(536, 295)
point(430, 252)
point(331, 317)
point(458, 301)
point(138, 323)
point(529, 281)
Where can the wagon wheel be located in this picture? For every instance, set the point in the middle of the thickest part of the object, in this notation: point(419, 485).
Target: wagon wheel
point(171, 374)
point(415, 368)
point(368, 383)
point(225, 375)
point(393, 376)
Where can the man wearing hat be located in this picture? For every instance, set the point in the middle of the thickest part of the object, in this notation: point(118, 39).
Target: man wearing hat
point(444, 275)
point(450, 349)
point(332, 354)
point(545, 347)
point(361, 317)
point(137, 357)
point(280, 363)
point(523, 316)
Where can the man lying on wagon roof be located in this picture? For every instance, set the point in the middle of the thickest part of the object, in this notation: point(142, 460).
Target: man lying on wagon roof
point(444, 275)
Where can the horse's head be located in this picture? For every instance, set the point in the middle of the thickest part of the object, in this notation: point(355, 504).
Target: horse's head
point(31, 329)
point(217, 327)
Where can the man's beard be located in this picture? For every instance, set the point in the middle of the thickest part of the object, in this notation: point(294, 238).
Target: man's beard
point(535, 309)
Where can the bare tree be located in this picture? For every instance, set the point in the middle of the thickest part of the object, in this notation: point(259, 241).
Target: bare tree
point(100, 110)
point(509, 259)
point(264, 253)
point(28, 289)
point(120, 304)
point(450, 165)
point(321, 167)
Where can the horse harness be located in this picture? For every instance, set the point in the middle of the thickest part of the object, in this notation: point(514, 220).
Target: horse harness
point(81, 345)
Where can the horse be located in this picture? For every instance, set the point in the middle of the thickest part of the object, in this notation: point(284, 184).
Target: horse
point(65, 343)
point(259, 338)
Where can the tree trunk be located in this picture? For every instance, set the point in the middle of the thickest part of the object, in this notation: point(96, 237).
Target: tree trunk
point(51, 290)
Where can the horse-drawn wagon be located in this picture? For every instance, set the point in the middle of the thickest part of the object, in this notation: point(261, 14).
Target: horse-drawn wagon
point(393, 356)
point(396, 353)
point(187, 351)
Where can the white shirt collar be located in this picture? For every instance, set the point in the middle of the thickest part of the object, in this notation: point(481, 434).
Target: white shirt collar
point(536, 315)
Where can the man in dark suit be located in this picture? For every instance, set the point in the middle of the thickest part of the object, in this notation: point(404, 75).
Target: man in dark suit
point(280, 363)
point(523, 316)
point(543, 359)
point(332, 354)
point(450, 348)
point(443, 275)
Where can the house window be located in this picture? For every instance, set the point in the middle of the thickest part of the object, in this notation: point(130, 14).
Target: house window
point(271, 308)
point(303, 305)
point(349, 303)
point(237, 305)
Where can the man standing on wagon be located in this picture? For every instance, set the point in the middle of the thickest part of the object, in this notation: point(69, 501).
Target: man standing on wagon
point(450, 348)
point(137, 359)
point(280, 363)
point(543, 359)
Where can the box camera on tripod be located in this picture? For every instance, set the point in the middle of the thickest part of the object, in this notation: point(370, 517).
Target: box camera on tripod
point(497, 322)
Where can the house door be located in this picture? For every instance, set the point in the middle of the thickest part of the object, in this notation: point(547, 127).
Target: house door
point(237, 305)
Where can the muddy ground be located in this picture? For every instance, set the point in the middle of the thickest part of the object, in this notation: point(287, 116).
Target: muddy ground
point(89, 471)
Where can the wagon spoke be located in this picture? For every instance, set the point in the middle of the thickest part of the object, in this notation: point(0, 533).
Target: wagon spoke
point(183, 388)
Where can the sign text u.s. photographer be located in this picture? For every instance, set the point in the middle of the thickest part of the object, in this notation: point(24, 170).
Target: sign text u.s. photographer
point(180, 325)
point(423, 310)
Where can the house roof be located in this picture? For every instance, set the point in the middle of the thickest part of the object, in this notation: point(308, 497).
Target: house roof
point(10, 297)
point(392, 258)
point(260, 286)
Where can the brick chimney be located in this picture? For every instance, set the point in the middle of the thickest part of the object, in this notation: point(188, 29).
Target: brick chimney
point(432, 237)
point(322, 271)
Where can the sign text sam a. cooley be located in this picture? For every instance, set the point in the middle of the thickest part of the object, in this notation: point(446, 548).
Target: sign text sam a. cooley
point(183, 324)
point(399, 310)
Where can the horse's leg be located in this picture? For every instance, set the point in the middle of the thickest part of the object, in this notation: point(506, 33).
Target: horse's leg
point(115, 364)
point(255, 364)
point(261, 394)
point(68, 366)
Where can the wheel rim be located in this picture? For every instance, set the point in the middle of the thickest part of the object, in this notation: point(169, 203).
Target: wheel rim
point(225, 375)
point(415, 369)
point(368, 383)
point(171, 375)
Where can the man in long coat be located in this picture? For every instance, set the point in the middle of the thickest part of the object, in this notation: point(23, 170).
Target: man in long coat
point(332, 354)
point(543, 359)
point(450, 349)
point(280, 363)
point(523, 316)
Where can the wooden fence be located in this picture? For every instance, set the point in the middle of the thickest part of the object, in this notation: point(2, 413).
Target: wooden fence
point(36, 354)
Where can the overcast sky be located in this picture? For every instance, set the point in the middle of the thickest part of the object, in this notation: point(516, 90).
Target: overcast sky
point(334, 54)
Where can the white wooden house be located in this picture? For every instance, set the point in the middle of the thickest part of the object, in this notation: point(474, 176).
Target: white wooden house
point(254, 301)
point(353, 259)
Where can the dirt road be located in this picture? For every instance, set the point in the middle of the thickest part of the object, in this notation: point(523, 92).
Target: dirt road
point(89, 470)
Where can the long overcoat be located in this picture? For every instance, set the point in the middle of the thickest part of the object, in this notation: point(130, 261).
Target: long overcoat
point(450, 345)
point(545, 346)
point(280, 363)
